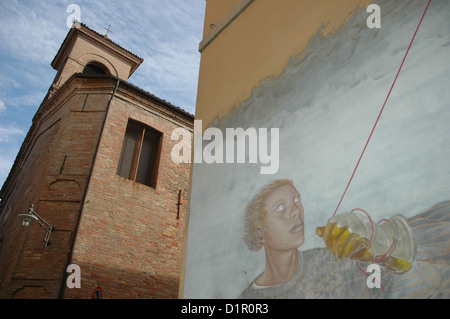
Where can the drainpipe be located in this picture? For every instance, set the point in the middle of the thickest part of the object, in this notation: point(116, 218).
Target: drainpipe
point(63, 282)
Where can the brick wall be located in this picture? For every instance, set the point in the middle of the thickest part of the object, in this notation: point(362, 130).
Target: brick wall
point(51, 172)
point(130, 241)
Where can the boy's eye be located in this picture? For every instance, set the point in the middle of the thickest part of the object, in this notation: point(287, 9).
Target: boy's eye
point(297, 199)
point(280, 208)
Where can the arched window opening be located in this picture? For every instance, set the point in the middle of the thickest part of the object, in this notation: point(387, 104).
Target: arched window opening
point(92, 68)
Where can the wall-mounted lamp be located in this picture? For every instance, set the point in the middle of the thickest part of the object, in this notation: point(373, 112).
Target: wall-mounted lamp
point(32, 216)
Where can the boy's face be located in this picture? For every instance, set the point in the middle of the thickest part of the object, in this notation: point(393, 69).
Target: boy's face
point(283, 224)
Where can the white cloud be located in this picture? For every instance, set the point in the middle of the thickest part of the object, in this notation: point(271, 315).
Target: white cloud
point(10, 138)
point(9, 133)
point(5, 166)
point(2, 107)
point(30, 31)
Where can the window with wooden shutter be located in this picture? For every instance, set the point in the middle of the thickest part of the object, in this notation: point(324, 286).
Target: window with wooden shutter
point(140, 154)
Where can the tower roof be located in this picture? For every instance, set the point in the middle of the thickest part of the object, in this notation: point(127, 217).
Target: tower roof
point(81, 30)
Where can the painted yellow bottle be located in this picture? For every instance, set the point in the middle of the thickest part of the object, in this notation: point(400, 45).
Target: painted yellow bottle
point(354, 236)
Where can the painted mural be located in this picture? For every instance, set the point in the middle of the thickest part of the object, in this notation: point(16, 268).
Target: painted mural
point(293, 234)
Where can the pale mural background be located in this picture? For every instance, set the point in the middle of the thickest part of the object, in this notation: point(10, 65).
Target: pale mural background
point(325, 104)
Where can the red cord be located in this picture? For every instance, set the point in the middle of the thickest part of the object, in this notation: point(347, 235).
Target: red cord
point(382, 109)
point(367, 143)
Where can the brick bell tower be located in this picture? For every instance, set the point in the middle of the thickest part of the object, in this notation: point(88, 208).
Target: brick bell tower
point(88, 52)
point(95, 173)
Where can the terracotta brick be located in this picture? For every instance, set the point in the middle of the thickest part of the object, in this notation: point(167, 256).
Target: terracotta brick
point(125, 236)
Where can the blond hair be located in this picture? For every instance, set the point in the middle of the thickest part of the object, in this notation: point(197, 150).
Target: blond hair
point(255, 213)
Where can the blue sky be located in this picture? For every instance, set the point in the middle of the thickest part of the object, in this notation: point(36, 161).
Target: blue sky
point(166, 34)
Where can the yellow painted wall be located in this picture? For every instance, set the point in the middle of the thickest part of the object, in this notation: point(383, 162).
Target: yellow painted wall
point(258, 44)
point(216, 10)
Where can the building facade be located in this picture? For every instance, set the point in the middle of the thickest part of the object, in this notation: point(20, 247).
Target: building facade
point(318, 77)
point(96, 166)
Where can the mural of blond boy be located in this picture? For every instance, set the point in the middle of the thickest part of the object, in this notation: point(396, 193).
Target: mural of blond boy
point(414, 253)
